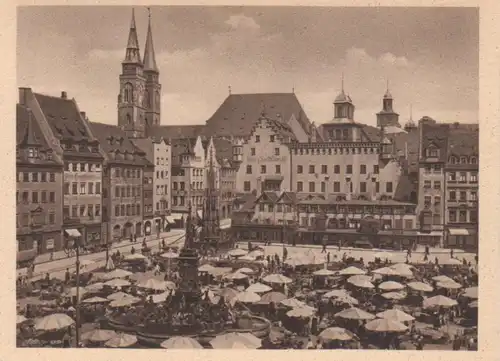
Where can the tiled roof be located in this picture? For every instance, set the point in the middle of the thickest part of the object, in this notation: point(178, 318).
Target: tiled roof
point(463, 139)
point(434, 134)
point(113, 140)
point(239, 112)
point(248, 200)
point(404, 188)
point(179, 147)
point(288, 197)
point(63, 117)
point(176, 131)
point(28, 132)
point(147, 146)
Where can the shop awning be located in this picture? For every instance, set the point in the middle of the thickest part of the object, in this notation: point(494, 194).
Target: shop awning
point(176, 216)
point(170, 219)
point(225, 223)
point(430, 234)
point(199, 212)
point(458, 232)
point(73, 232)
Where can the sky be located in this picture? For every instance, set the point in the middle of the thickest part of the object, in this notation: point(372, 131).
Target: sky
point(428, 56)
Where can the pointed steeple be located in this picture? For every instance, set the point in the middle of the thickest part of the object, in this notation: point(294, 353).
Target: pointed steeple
point(149, 50)
point(132, 54)
point(387, 94)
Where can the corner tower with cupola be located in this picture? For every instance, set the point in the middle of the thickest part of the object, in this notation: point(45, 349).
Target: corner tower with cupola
point(387, 117)
point(152, 95)
point(131, 105)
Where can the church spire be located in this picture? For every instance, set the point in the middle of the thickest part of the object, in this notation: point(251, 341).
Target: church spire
point(149, 51)
point(132, 54)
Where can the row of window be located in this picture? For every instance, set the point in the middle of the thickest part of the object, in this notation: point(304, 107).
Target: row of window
point(335, 151)
point(263, 169)
point(336, 169)
point(276, 151)
point(463, 160)
point(461, 196)
point(336, 187)
point(460, 216)
point(272, 138)
point(350, 223)
point(161, 190)
point(197, 172)
point(355, 209)
point(179, 201)
point(433, 168)
point(161, 160)
point(462, 177)
point(35, 177)
point(36, 197)
point(82, 188)
point(127, 173)
point(82, 167)
point(197, 185)
point(339, 134)
point(161, 174)
point(127, 191)
point(162, 205)
point(28, 220)
point(82, 210)
point(181, 186)
point(428, 184)
point(127, 210)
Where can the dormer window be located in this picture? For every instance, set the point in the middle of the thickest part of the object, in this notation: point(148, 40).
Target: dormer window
point(473, 160)
point(453, 160)
point(432, 152)
point(463, 160)
point(32, 153)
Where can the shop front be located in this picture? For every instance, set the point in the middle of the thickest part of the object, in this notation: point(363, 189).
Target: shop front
point(462, 238)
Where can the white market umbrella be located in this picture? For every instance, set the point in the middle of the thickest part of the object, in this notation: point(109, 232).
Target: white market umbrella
point(258, 288)
point(351, 271)
point(395, 315)
point(135, 257)
point(293, 302)
point(56, 321)
point(94, 287)
point(256, 253)
point(362, 283)
point(470, 292)
point(385, 325)
point(116, 273)
point(236, 276)
point(439, 300)
point(161, 297)
point(394, 295)
point(169, 255)
point(153, 284)
point(420, 286)
point(247, 258)
point(403, 269)
point(336, 293)
point(449, 285)
point(246, 270)
point(95, 300)
point(442, 278)
point(277, 278)
point(355, 313)
point(336, 333)
point(247, 297)
point(181, 343)
point(117, 282)
point(324, 272)
point(205, 267)
point(385, 271)
point(237, 252)
point(125, 301)
point(229, 340)
point(118, 295)
point(301, 312)
point(121, 340)
point(390, 286)
point(98, 335)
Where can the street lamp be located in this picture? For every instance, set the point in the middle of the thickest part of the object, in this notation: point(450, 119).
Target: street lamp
point(74, 243)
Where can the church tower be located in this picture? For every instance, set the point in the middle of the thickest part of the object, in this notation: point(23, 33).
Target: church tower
point(131, 110)
point(152, 95)
point(387, 117)
point(343, 106)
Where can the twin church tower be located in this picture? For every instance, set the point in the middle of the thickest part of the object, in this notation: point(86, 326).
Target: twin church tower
point(139, 101)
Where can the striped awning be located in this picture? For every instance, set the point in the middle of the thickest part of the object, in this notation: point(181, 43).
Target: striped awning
point(73, 232)
point(170, 219)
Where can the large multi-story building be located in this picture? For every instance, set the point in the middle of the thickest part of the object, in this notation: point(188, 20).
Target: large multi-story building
point(67, 130)
point(461, 202)
point(265, 157)
point(159, 153)
point(122, 182)
point(39, 174)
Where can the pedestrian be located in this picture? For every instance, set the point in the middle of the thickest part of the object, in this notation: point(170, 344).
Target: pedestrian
point(51, 256)
point(328, 258)
point(451, 252)
point(408, 253)
point(324, 247)
point(67, 276)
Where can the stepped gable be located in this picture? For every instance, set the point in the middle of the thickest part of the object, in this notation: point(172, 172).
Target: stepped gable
point(239, 112)
point(113, 140)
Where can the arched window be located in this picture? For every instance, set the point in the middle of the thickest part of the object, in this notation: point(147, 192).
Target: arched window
point(453, 160)
point(128, 93)
point(147, 100)
point(117, 211)
point(463, 160)
point(137, 209)
point(129, 119)
point(473, 160)
point(157, 100)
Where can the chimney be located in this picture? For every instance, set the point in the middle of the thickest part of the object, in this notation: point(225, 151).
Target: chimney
point(64, 95)
point(23, 95)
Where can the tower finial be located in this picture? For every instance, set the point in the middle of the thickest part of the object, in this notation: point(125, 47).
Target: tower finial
point(149, 50)
point(342, 82)
point(132, 54)
point(293, 90)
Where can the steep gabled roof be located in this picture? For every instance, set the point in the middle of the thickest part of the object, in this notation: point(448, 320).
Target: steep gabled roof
point(287, 198)
point(176, 131)
point(434, 134)
point(239, 112)
point(113, 139)
point(63, 117)
point(463, 139)
point(267, 197)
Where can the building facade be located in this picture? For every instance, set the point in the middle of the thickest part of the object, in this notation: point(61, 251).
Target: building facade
point(461, 201)
point(39, 174)
point(68, 132)
point(123, 174)
point(265, 157)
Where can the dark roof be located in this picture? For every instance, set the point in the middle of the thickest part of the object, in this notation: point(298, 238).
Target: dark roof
point(147, 146)
point(288, 198)
point(63, 117)
point(248, 200)
point(180, 147)
point(28, 133)
point(404, 188)
point(113, 140)
point(176, 131)
point(434, 134)
point(239, 112)
point(463, 139)
point(223, 150)
point(268, 196)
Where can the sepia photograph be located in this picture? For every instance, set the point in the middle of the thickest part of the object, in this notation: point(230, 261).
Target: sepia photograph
point(244, 177)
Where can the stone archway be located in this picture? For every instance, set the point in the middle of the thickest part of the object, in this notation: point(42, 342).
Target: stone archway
point(138, 229)
point(117, 231)
point(147, 228)
point(127, 230)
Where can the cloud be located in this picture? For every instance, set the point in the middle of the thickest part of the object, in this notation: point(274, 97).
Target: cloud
point(392, 59)
point(241, 21)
